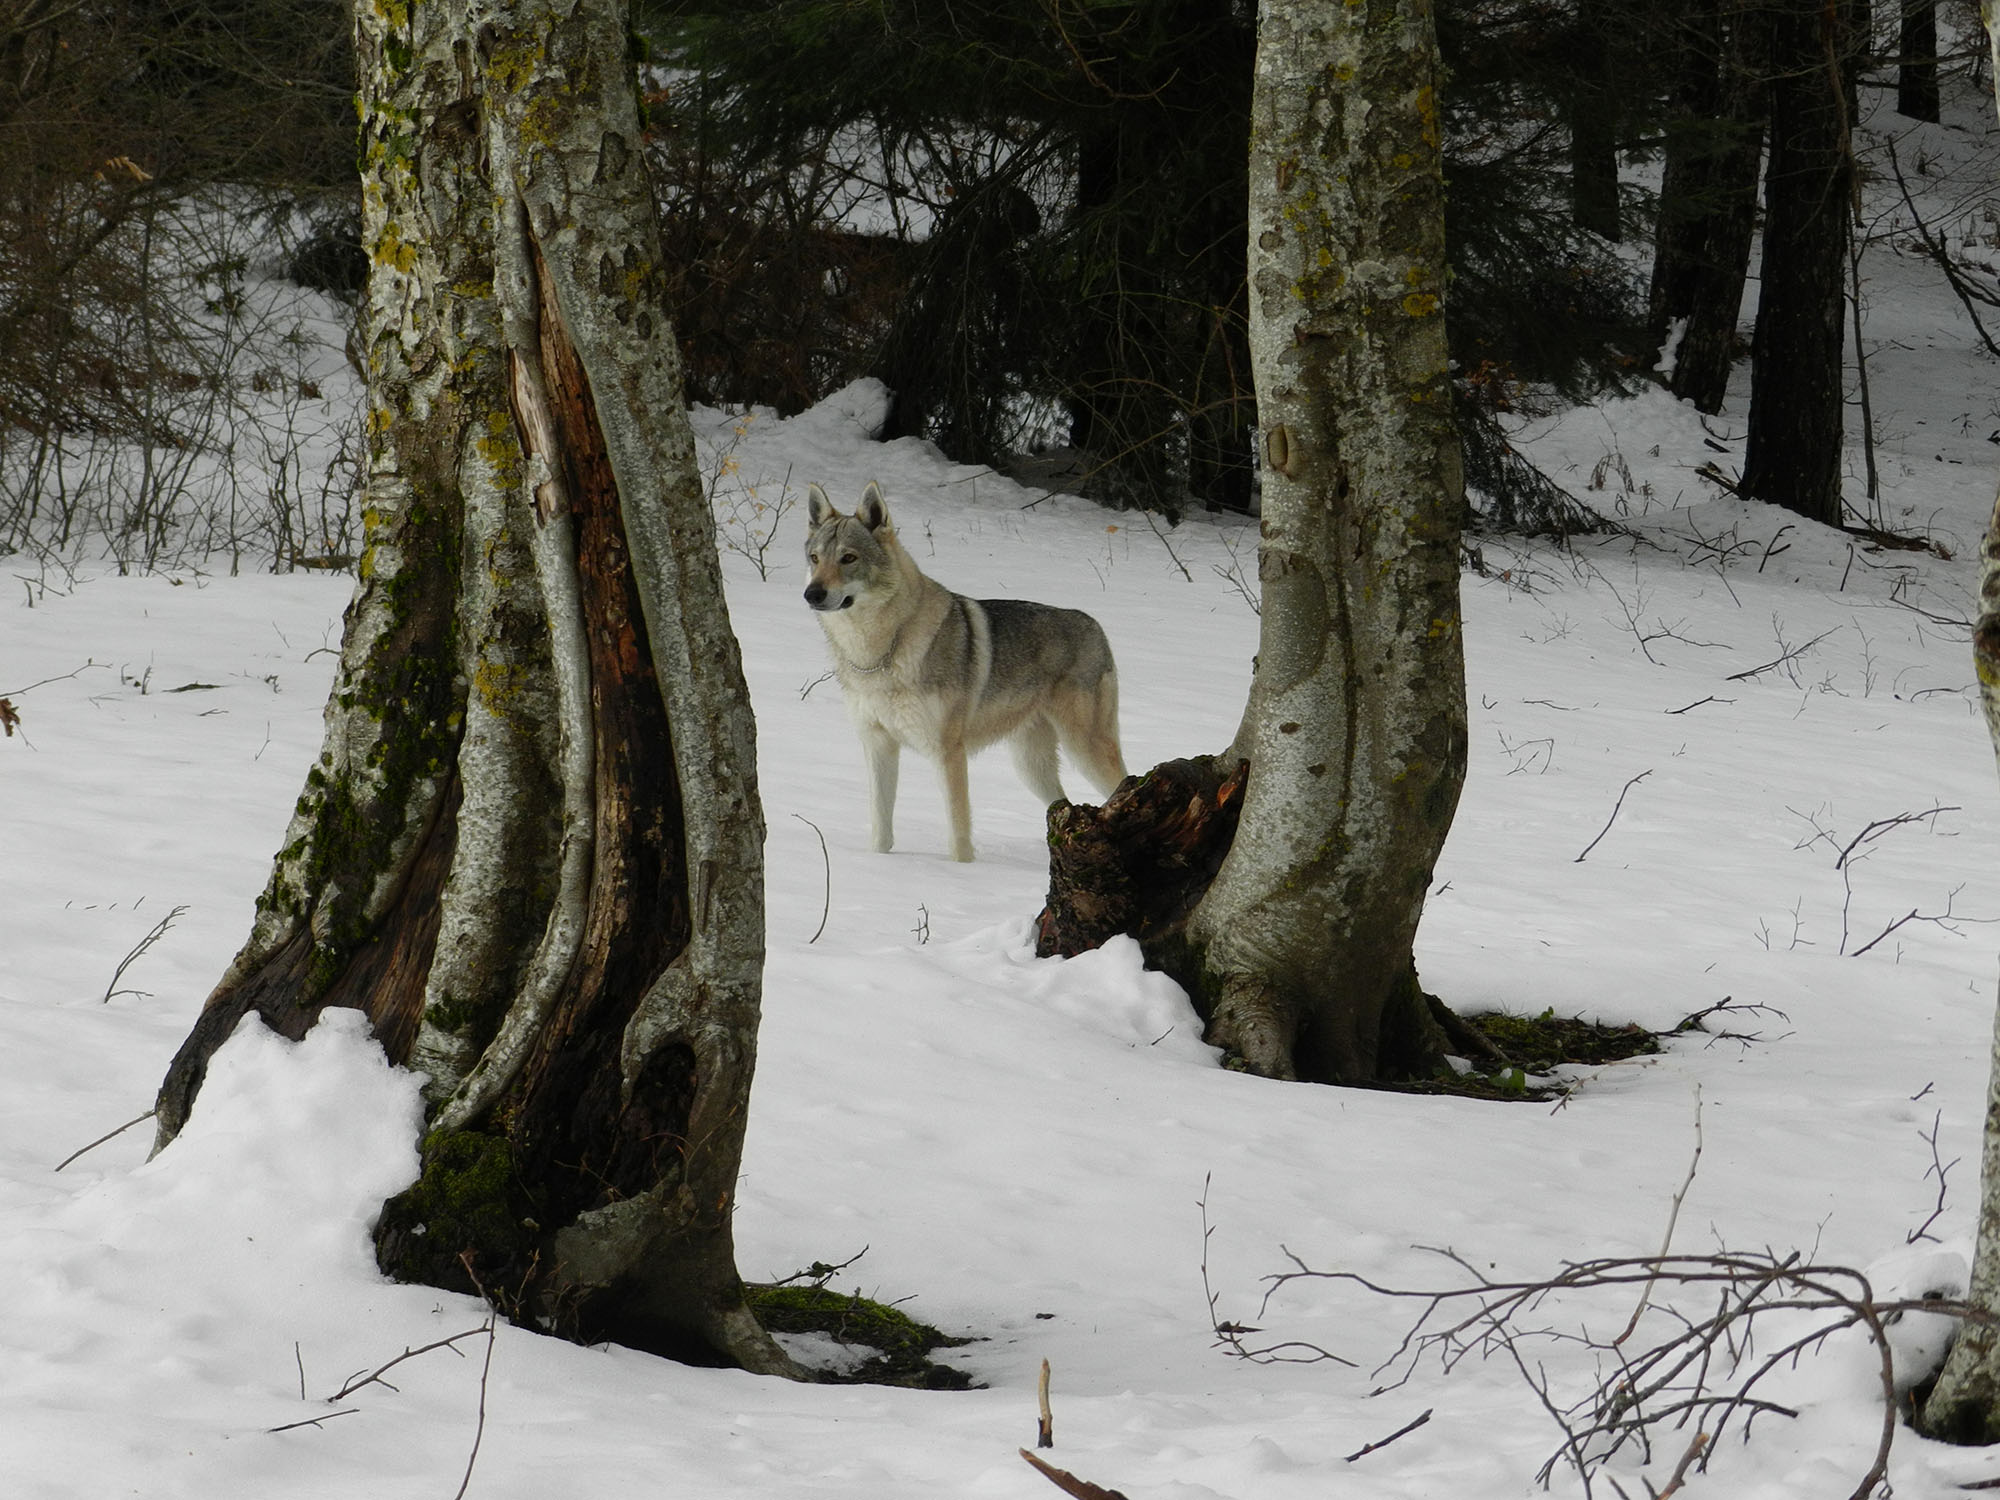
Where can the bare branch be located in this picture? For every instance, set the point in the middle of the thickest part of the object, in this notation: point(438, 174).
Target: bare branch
point(1673, 1216)
point(374, 1377)
point(159, 931)
point(1614, 815)
point(1067, 1482)
point(1785, 656)
point(1404, 1431)
point(826, 906)
point(109, 1135)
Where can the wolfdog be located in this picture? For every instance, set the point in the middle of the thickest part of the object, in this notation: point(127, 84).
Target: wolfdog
point(947, 675)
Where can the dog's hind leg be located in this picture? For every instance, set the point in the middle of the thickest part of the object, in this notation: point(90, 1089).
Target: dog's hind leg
point(884, 759)
point(957, 798)
point(1033, 747)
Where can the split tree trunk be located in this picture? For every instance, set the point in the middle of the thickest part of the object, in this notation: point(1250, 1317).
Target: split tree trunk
point(1708, 199)
point(1964, 1406)
point(531, 850)
point(1797, 429)
point(1355, 731)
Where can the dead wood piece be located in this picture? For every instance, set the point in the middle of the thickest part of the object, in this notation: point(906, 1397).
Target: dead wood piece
point(1140, 863)
point(1067, 1482)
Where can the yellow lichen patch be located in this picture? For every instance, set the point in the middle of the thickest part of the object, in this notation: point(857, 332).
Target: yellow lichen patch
point(500, 447)
point(498, 684)
point(1420, 304)
point(391, 249)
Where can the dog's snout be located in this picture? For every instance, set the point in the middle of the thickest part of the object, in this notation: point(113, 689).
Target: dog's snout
point(815, 594)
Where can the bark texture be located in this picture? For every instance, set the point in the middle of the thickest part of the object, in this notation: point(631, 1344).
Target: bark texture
point(531, 849)
point(1797, 427)
point(1964, 1406)
point(1355, 731)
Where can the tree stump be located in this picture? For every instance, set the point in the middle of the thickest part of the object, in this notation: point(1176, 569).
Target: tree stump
point(1140, 863)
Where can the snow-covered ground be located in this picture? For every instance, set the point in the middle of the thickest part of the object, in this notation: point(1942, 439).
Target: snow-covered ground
point(1030, 1151)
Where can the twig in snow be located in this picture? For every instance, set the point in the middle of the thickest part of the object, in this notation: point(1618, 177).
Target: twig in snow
point(826, 906)
point(1067, 1482)
point(1938, 1168)
point(1880, 826)
point(479, 1432)
point(1673, 1216)
point(1155, 525)
point(1943, 919)
point(109, 1135)
point(1229, 1335)
point(1045, 1431)
point(1404, 1431)
point(159, 931)
point(486, 1369)
point(1785, 657)
point(315, 1421)
point(1694, 1451)
point(374, 1377)
point(60, 677)
point(1699, 702)
point(1963, 289)
point(1614, 815)
point(1772, 549)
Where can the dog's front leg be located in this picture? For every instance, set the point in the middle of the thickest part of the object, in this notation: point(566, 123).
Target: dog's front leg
point(957, 798)
point(884, 758)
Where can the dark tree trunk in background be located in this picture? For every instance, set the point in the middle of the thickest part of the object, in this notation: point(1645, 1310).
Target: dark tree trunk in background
point(1593, 126)
point(1122, 402)
point(531, 850)
point(1917, 62)
point(1797, 391)
point(1708, 200)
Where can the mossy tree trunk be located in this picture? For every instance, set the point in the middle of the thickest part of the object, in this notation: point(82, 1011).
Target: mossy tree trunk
point(1964, 1406)
point(1355, 730)
point(531, 849)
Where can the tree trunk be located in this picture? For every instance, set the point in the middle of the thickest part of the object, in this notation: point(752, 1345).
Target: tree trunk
point(1797, 424)
point(1917, 62)
point(1593, 126)
point(1964, 1406)
point(1300, 953)
point(1708, 201)
point(531, 850)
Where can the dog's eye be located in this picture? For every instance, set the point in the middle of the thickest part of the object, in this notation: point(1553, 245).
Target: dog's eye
point(849, 559)
point(813, 558)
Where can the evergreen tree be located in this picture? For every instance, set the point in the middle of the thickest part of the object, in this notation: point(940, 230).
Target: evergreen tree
point(1078, 173)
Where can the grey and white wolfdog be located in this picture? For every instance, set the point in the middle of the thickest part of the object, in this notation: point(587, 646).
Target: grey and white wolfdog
point(946, 675)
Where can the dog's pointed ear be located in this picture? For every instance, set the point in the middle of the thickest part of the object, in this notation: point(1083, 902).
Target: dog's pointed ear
point(873, 512)
point(819, 509)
